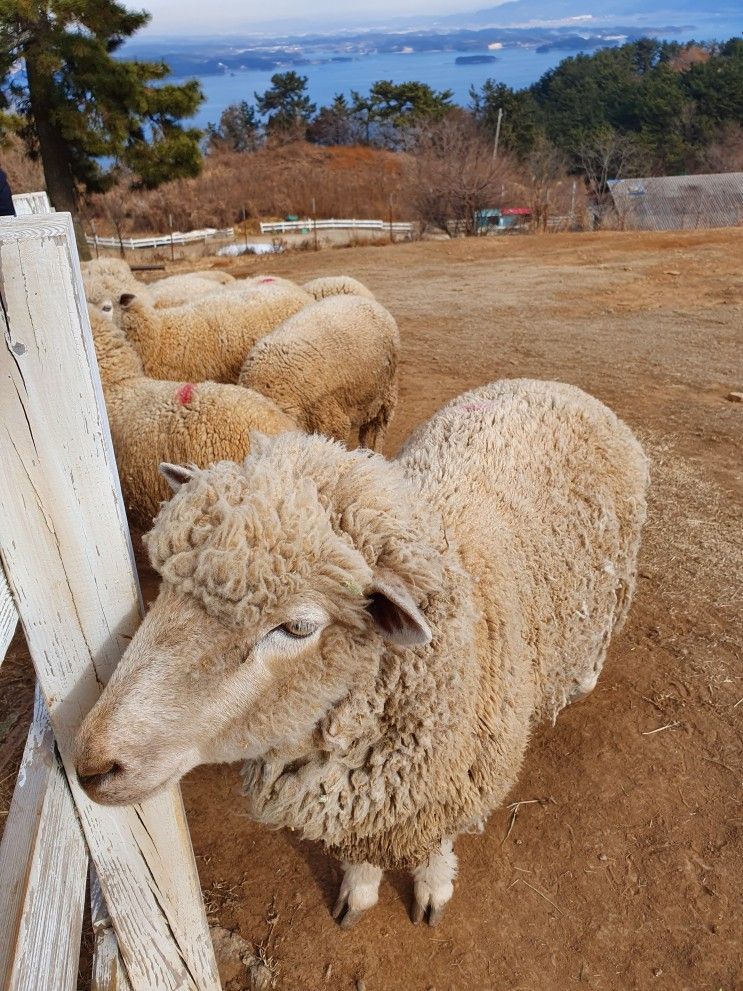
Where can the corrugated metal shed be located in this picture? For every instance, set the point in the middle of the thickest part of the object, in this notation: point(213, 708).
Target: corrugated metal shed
point(685, 202)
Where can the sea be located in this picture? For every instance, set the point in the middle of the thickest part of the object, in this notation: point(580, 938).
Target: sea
point(516, 66)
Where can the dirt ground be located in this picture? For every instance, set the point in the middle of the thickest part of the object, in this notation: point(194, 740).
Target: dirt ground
point(621, 867)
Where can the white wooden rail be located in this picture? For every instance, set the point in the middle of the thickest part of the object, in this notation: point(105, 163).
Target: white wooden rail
point(298, 226)
point(43, 863)
point(162, 240)
point(64, 545)
point(8, 616)
point(29, 203)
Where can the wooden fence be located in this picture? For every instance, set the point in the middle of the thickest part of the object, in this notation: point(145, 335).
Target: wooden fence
point(306, 226)
point(162, 240)
point(29, 203)
point(68, 576)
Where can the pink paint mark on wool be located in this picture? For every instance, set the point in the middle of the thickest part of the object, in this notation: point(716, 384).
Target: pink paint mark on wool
point(477, 407)
point(185, 394)
point(268, 278)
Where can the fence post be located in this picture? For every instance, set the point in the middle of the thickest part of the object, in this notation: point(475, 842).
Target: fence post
point(65, 547)
point(43, 863)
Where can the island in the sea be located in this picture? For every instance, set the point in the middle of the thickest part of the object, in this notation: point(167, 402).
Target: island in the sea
point(474, 59)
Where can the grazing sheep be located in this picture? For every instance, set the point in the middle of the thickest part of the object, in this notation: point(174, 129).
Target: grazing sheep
point(210, 337)
point(152, 421)
point(377, 639)
point(337, 285)
point(332, 367)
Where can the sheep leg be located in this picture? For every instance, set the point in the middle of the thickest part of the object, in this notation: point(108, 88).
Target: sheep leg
point(433, 884)
point(359, 892)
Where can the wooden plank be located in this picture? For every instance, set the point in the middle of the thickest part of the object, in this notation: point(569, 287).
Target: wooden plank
point(43, 865)
point(8, 616)
point(109, 973)
point(66, 550)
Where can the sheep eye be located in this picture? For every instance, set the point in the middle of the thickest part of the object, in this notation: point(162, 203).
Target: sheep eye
point(299, 629)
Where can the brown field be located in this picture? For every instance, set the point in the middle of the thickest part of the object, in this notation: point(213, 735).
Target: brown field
point(624, 869)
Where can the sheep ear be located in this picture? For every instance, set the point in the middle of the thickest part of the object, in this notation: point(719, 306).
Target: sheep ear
point(395, 615)
point(176, 475)
point(126, 299)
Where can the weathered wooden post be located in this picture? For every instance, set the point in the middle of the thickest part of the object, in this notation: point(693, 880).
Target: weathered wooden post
point(65, 549)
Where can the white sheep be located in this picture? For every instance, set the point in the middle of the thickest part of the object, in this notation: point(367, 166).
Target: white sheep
point(210, 337)
point(332, 367)
point(152, 421)
point(105, 279)
point(377, 639)
point(181, 289)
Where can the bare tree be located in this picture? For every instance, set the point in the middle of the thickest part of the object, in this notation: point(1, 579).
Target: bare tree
point(725, 154)
point(604, 156)
point(545, 173)
point(451, 174)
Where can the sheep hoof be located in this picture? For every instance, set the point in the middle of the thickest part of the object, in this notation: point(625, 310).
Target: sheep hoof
point(433, 884)
point(345, 916)
point(426, 910)
point(359, 892)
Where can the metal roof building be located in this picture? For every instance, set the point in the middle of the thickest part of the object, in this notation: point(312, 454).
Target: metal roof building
point(684, 202)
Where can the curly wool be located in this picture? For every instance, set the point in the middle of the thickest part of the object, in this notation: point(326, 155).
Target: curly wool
point(153, 421)
point(513, 517)
point(337, 285)
point(352, 390)
point(210, 337)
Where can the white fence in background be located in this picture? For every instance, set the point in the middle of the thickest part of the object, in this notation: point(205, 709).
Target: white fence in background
point(29, 203)
point(306, 226)
point(68, 574)
point(162, 240)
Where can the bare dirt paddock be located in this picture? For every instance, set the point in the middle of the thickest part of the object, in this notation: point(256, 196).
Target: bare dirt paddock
point(622, 868)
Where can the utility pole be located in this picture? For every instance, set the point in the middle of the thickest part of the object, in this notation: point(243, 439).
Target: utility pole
point(392, 236)
point(572, 205)
point(314, 220)
point(497, 134)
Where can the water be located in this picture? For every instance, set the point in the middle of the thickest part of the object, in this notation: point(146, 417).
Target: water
point(517, 67)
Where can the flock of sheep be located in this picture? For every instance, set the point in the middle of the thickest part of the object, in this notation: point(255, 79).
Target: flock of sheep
point(375, 639)
point(190, 365)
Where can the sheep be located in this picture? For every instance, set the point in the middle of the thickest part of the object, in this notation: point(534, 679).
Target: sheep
point(178, 290)
point(377, 639)
point(152, 420)
point(105, 279)
point(210, 337)
point(337, 285)
point(352, 389)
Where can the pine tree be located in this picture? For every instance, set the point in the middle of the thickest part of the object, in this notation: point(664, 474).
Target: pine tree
point(86, 113)
point(238, 128)
point(286, 104)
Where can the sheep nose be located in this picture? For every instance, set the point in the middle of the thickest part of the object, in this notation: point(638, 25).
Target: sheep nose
point(91, 773)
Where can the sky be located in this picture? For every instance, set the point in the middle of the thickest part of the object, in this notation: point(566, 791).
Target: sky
point(183, 17)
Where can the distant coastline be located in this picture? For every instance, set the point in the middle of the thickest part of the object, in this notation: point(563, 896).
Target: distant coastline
point(451, 57)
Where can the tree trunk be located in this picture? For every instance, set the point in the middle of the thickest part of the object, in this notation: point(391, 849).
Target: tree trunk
point(55, 158)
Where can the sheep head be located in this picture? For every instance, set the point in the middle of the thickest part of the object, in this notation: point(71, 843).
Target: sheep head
point(276, 600)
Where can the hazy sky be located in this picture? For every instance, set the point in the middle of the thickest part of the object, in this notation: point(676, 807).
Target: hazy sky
point(196, 16)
